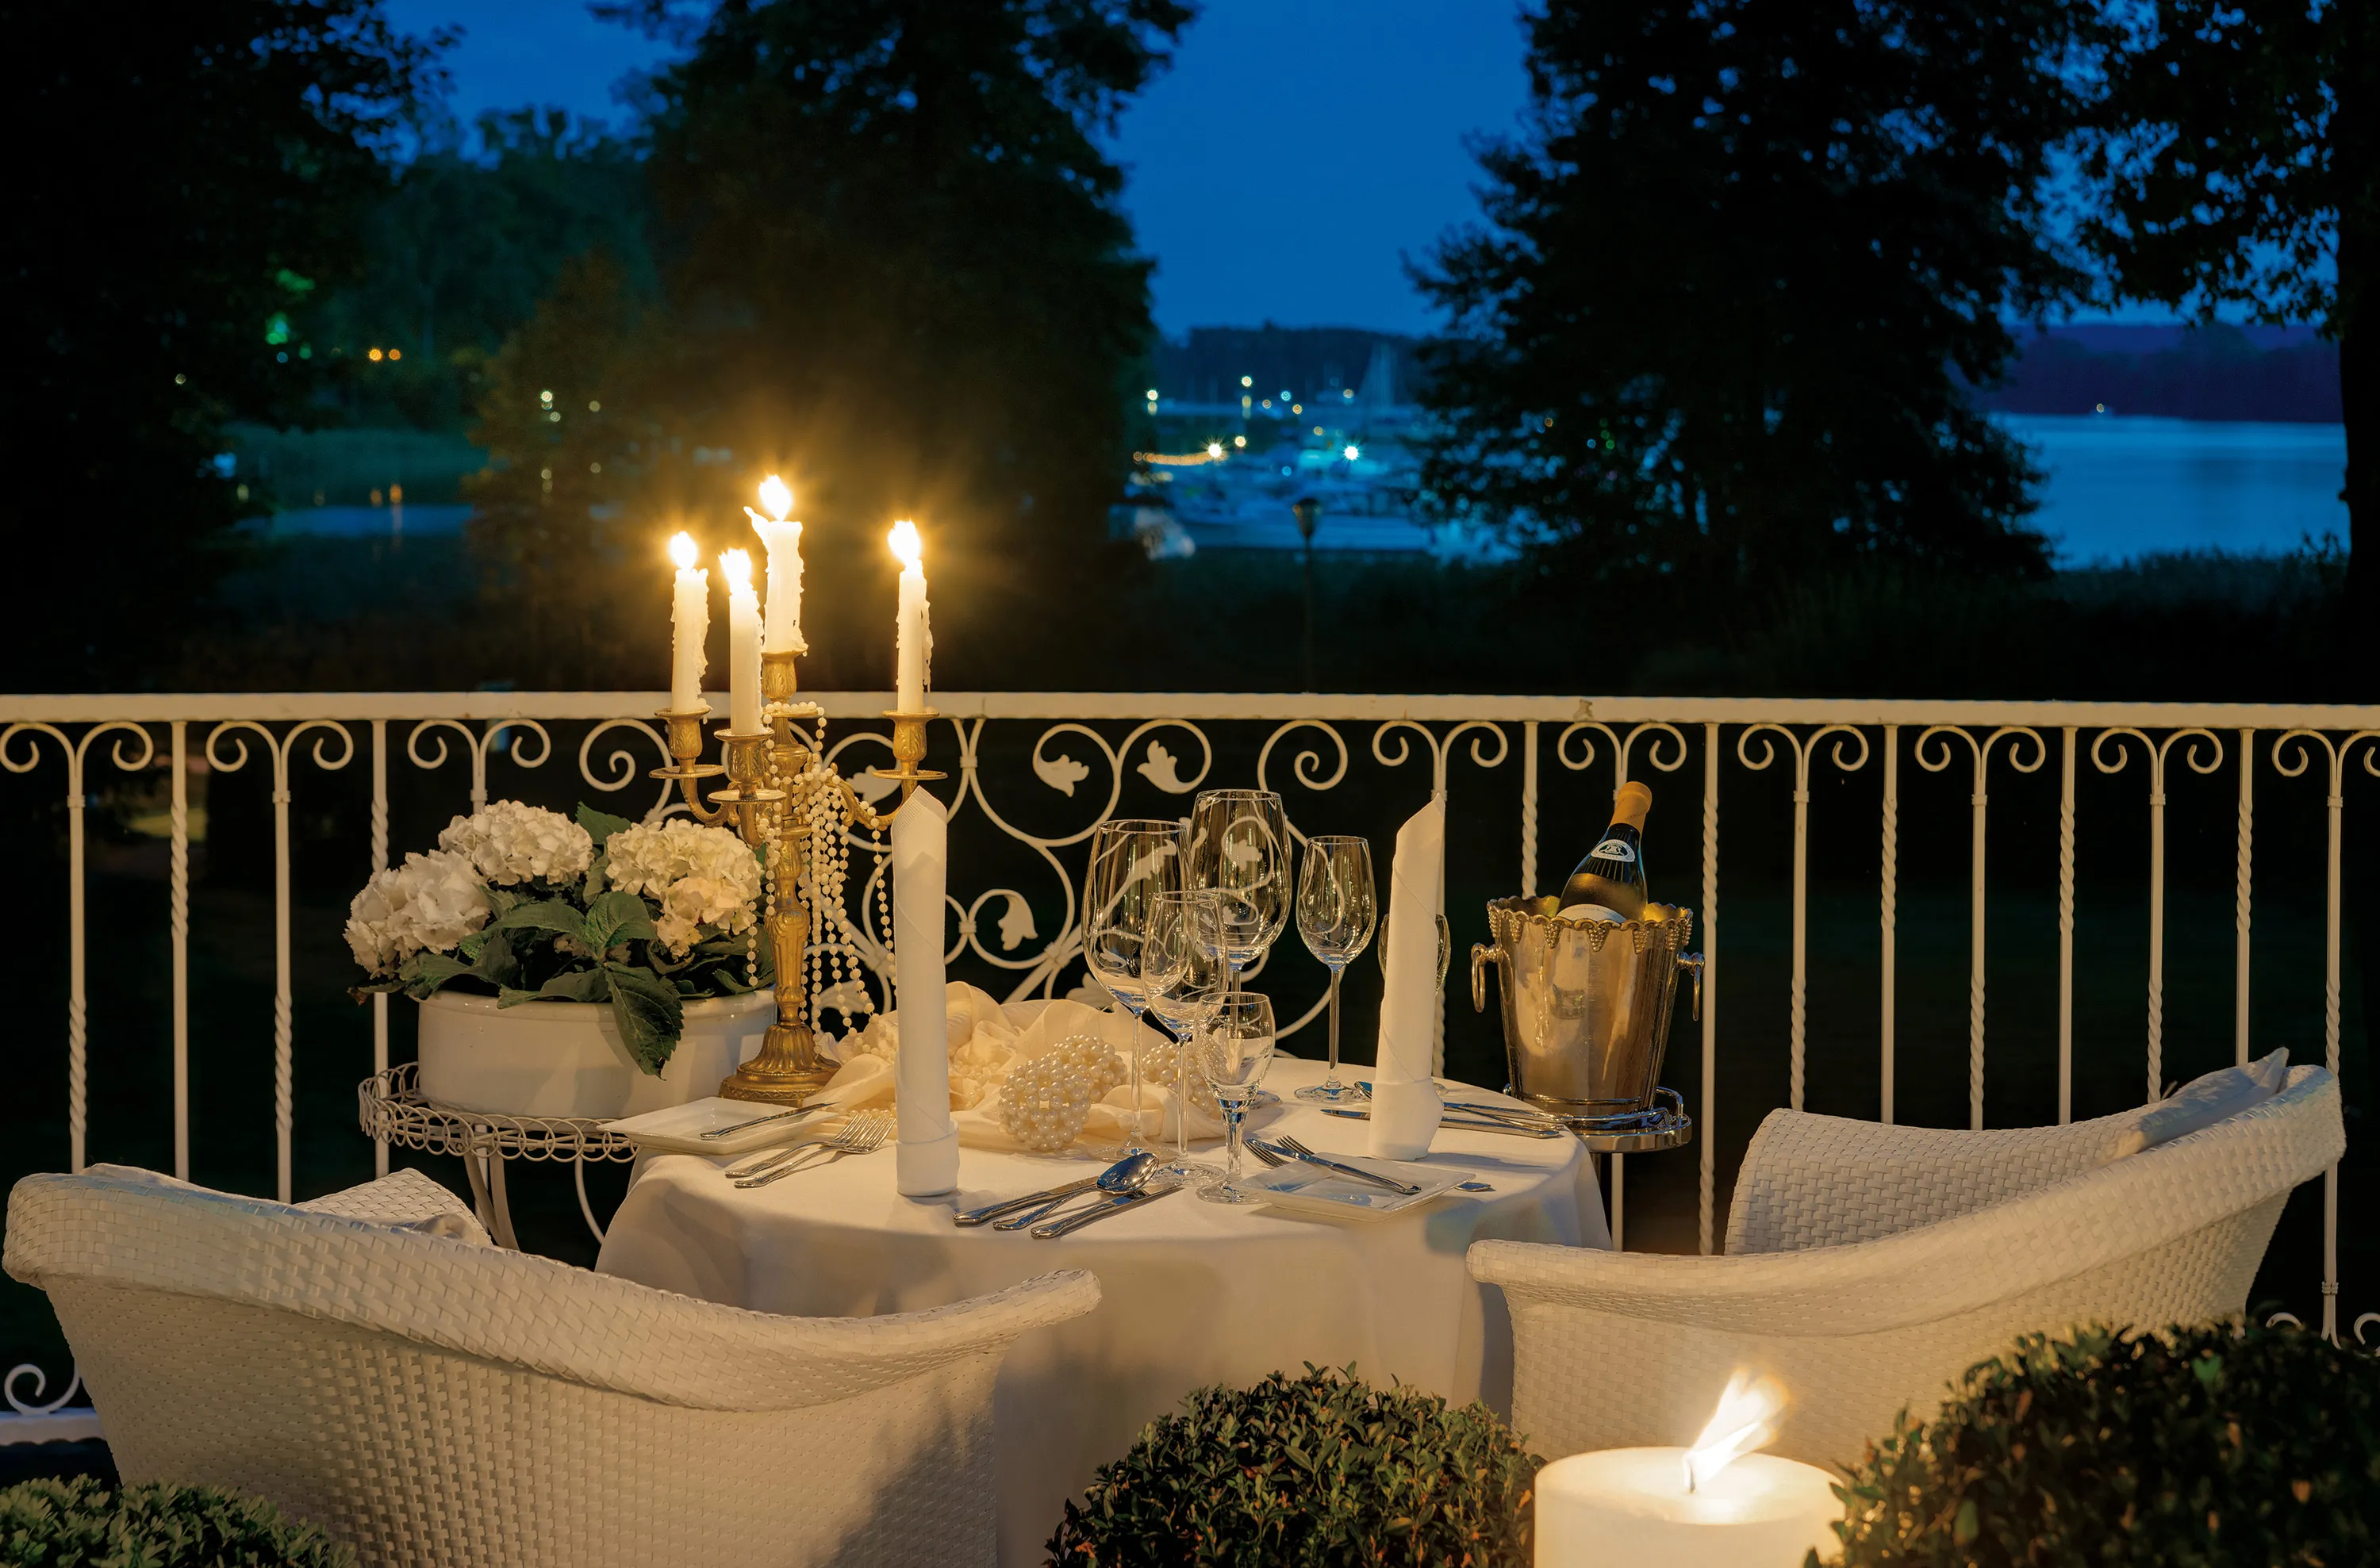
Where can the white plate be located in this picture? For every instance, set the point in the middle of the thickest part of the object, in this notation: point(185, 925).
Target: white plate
point(679, 1129)
point(1311, 1189)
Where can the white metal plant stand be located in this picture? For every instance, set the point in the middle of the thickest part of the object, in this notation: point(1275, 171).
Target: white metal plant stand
point(393, 1111)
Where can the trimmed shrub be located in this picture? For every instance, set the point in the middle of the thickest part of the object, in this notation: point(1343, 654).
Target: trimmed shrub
point(1321, 1470)
point(2205, 1447)
point(77, 1523)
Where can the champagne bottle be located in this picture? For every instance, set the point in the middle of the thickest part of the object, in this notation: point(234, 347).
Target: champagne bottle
point(1610, 880)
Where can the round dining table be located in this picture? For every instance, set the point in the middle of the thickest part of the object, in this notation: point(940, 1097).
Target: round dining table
point(1192, 1293)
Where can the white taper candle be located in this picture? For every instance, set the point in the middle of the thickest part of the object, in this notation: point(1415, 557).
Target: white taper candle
point(782, 537)
point(913, 629)
point(689, 625)
point(743, 644)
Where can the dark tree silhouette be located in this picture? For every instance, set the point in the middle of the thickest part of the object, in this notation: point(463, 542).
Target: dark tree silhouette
point(1735, 275)
point(894, 269)
point(2240, 157)
point(190, 181)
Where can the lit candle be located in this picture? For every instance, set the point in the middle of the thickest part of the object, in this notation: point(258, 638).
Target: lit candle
point(917, 636)
point(743, 644)
point(689, 624)
point(1714, 1505)
point(781, 629)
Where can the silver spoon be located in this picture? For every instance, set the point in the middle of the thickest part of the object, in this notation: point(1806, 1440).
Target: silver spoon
point(1127, 1175)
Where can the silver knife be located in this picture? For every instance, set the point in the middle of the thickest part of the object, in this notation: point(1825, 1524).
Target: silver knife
point(1471, 1124)
point(1404, 1189)
point(1115, 1205)
point(994, 1211)
point(772, 1116)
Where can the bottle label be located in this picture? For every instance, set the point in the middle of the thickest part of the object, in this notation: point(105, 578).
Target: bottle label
point(1614, 848)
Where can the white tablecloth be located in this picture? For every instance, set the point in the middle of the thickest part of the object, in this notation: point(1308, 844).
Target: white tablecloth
point(1193, 1293)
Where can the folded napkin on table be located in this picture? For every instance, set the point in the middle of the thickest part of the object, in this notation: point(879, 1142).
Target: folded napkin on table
point(1405, 1106)
point(987, 1039)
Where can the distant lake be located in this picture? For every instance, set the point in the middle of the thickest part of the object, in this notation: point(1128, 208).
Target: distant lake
point(2123, 486)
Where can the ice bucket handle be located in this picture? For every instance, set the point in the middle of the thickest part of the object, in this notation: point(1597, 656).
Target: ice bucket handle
point(1483, 954)
point(1685, 960)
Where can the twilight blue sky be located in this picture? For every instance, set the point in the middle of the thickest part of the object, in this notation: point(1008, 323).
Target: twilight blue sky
point(1276, 172)
point(1294, 153)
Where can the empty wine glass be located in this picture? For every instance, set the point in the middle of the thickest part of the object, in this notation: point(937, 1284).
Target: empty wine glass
point(1338, 909)
point(1189, 927)
point(1239, 845)
point(1131, 863)
point(1231, 1053)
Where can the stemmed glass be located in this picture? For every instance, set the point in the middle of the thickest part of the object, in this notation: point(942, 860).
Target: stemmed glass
point(1232, 1055)
point(1338, 910)
point(1189, 928)
point(1133, 862)
point(1238, 847)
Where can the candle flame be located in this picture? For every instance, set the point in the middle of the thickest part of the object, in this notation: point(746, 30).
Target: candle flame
point(1746, 1419)
point(905, 543)
point(776, 498)
point(737, 565)
point(681, 551)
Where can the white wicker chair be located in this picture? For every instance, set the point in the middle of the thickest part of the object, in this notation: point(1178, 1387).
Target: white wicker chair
point(432, 1401)
point(1870, 1265)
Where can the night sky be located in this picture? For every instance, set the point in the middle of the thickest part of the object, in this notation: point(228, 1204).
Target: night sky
point(1276, 172)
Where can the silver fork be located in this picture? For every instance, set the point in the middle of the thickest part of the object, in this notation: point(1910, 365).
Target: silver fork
point(1294, 1147)
point(775, 1157)
point(865, 1133)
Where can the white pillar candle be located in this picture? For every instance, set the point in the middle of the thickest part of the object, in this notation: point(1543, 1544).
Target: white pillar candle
point(927, 1159)
point(689, 625)
point(914, 632)
point(1627, 1506)
point(743, 644)
point(781, 626)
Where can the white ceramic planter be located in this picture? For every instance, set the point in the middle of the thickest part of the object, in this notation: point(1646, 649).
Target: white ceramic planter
point(565, 1060)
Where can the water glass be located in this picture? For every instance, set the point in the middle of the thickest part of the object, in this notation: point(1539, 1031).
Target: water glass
point(1338, 910)
point(1189, 927)
point(1133, 863)
point(1231, 1053)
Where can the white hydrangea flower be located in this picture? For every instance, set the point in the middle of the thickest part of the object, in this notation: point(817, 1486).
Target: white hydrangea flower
point(512, 843)
point(429, 904)
point(699, 877)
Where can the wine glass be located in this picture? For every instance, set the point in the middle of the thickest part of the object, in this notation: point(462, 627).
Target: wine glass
point(1189, 927)
point(1338, 909)
point(1231, 1053)
point(1239, 845)
point(1131, 862)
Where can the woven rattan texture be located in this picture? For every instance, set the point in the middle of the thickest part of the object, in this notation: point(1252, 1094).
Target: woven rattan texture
point(505, 1306)
point(1615, 1350)
point(422, 1457)
point(441, 1402)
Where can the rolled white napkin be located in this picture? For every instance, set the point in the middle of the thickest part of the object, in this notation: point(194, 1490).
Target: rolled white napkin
point(928, 1154)
point(1406, 1104)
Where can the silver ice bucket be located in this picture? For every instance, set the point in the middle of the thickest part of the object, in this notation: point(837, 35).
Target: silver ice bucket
point(1586, 1003)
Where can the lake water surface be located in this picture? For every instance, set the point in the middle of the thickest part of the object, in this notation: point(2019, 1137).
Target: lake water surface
point(2121, 487)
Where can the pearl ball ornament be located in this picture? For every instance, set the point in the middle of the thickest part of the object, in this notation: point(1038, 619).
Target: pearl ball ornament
point(1046, 1100)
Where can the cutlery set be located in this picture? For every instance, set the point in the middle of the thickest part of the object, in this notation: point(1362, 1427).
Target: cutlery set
point(1128, 1183)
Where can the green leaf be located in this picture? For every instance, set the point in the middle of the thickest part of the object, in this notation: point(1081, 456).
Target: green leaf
point(424, 973)
point(616, 917)
point(498, 964)
point(600, 826)
point(1967, 1526)
point(547, 914)
point(580, 986)
point(649, 1014)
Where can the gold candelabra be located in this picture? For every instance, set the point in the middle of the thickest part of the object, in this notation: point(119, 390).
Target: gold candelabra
point(775, 780)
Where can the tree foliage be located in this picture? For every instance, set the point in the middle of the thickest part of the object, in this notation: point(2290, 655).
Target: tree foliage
point(895, 270)
point(2237, 162)
point(190, 184)
point(1735, 274)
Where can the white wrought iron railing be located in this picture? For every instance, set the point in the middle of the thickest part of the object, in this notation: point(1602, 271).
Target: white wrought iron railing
point(1496, 757)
